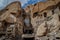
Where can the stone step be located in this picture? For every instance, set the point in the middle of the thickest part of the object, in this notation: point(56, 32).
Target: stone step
point(27, 35)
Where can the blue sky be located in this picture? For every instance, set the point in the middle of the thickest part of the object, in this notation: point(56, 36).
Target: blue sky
point(24, 3)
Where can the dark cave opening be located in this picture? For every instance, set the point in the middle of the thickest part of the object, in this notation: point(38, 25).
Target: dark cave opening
point(2, 35)
point(52, 12)
point(35, 14)
point(28, 31)
point(59, 17)
point(28, 38)
point(45, 14)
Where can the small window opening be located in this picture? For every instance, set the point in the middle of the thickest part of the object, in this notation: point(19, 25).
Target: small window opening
point(28, 38)
point(35, 14)
point(2, 35)
point(28, 31)
point(45, 14)
point(52, 12)
point(57, 37)
point(59, 17)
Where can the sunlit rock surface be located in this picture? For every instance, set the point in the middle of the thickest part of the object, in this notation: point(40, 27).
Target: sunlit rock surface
point(43, 21)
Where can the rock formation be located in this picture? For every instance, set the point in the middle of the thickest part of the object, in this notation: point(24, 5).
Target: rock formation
point(40, 21)
point(45, 13)
point(12, 21)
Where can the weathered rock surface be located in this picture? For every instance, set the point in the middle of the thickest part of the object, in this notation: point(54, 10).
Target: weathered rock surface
point(43, 19)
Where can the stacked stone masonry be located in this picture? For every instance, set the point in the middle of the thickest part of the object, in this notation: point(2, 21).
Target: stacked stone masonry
point(40, 21)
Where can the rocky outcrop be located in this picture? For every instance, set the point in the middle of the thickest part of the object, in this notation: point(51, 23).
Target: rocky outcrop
point(12, 21)
point(41, 6)
point(39, 21)
point(42, 12)
point(13, 8)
